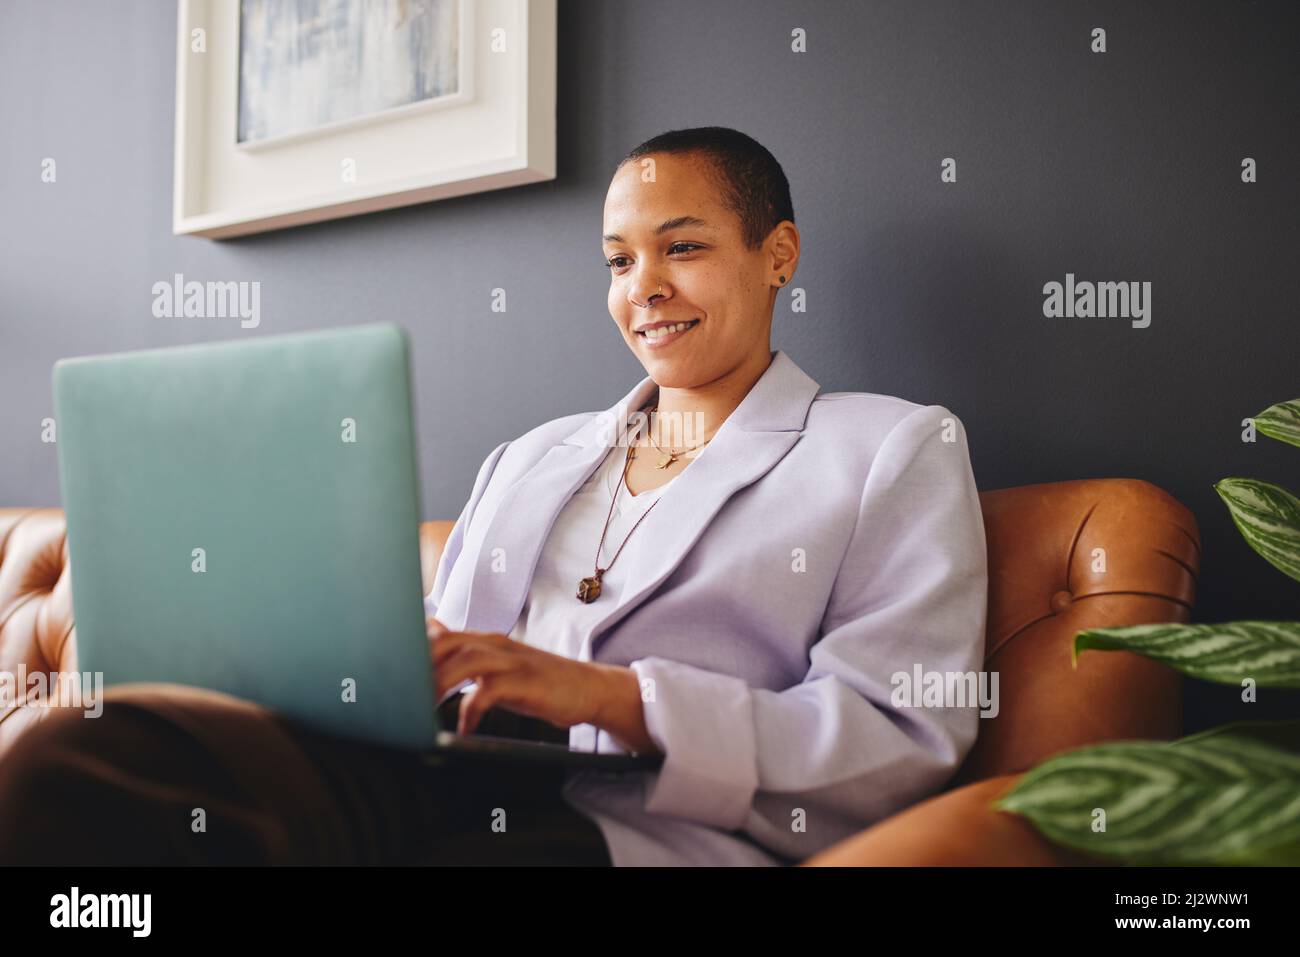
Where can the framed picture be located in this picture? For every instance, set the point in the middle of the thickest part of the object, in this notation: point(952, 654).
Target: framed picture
point(296, 111)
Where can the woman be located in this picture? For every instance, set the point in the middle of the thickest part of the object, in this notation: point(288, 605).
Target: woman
point(724, 567)
point(769, 586)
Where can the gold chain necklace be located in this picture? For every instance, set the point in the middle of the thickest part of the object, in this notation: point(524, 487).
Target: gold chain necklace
point(670, 457)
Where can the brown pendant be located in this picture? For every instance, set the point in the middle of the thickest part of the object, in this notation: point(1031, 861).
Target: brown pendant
point(666, 461)
point(588, 590)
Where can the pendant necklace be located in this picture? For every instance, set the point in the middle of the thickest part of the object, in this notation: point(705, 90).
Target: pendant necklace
point(589, 587)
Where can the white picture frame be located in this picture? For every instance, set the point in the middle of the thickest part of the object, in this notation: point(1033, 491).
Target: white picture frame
point(497, 131)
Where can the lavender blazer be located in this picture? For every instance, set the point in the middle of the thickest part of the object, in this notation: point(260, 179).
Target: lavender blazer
point(819, 547)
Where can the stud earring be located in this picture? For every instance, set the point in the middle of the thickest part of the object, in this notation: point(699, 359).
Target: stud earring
point(783, 280)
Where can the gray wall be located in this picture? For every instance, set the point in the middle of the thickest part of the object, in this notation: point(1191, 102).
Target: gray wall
point(1115, 166)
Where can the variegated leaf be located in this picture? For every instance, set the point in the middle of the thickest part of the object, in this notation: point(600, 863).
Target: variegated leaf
point(1214, 799)
point(1266, 651)
point(1268, 517)
point(1281, 421)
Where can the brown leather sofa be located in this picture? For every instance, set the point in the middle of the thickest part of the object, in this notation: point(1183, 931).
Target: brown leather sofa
point(1046, 582)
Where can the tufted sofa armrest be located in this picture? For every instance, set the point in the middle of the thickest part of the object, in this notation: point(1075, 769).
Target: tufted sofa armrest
point(36, 623)
point(1065, 557)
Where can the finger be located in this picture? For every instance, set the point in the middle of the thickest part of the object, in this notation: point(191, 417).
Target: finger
point(445, 645)
point(516, 690)
point(472, 663)
point(473, 705)
point(490, 693)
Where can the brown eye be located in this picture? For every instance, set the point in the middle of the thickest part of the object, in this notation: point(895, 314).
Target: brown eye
point(611, 263)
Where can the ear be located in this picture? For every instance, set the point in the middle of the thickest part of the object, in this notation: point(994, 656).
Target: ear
point(783, 250)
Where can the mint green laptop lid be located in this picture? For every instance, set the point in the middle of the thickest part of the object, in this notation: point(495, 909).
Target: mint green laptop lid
point(244, 516)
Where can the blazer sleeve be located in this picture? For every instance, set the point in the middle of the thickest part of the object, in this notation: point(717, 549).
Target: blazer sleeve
point(455, 540)
point(911, 590)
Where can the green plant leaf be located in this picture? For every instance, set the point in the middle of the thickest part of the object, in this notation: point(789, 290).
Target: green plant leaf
point(1268, 517)
point(1214, 799)
point(1281, 421)
point(1227, 652)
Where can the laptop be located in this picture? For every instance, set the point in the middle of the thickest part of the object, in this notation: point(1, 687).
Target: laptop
point(244, 517)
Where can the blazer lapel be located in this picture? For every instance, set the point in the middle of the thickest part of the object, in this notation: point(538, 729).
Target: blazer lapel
point(757, 434)
point(528, 509)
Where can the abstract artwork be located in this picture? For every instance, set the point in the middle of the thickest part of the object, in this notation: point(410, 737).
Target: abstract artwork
point(306, 64)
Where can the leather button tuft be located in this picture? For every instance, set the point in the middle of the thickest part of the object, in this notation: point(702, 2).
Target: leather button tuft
point(1061, 601)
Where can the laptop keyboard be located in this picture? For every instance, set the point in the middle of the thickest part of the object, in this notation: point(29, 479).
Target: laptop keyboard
point(501, 723)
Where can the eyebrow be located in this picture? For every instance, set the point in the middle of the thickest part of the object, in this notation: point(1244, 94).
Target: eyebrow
point(666, 226)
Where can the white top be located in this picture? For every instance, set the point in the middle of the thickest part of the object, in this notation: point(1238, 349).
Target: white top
point(553, 618)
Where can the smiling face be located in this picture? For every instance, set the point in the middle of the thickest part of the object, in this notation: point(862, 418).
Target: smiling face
point(673, 234)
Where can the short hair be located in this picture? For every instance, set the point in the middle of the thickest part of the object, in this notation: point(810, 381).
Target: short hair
point(752, 182)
